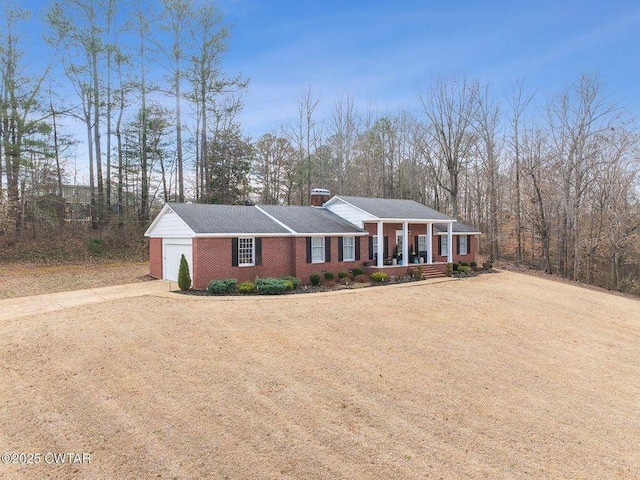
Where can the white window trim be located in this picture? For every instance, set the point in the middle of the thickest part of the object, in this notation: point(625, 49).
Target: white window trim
point(374, 246)
point(352, 257)
point(322, 242)
point(422, 237)
point(444, 247)
point(466, 245)
point(253, 252)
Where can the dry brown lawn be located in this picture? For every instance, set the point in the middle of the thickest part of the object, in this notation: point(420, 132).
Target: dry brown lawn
point(499, 376)
point(21, 280)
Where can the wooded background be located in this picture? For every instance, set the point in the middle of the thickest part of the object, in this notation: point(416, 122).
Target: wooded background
point(552, 183)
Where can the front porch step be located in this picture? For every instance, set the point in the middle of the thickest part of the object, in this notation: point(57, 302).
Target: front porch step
point(428, 271)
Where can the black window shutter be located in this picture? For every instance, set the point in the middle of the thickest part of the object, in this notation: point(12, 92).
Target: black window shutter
point(308, 249)
point(415, 246)
point(440, 245)
point(234, 252)
point(327, 249)
point(258, 259)
point(340, 249)
point(458, 244)
point(468, 244)
point(386, 247)
point(357, 247)
point(371, 247)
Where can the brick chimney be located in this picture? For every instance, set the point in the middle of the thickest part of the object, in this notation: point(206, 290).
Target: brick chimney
point(319, 196)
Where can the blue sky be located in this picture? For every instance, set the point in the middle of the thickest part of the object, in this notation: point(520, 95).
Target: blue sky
point(383, 53)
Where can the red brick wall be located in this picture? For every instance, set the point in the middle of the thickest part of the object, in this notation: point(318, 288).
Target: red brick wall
point(470, 257)
point(303, 269)
point(155, 257)
point(212, 260)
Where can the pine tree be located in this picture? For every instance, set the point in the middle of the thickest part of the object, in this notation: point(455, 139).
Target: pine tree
point(184, 279)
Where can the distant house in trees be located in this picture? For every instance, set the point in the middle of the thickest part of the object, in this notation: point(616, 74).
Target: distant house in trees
point(338, 233)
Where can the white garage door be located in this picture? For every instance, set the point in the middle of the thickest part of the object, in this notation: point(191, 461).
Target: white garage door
point(172, 251)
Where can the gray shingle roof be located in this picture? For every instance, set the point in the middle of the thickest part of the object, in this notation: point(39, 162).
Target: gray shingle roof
point(395, 209)
point(203, 218)
point(458, 227)
point(310, 219)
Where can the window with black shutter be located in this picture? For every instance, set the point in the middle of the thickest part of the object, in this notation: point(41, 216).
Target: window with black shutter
point(258, 260)
point(327, 249)
point(234, 252)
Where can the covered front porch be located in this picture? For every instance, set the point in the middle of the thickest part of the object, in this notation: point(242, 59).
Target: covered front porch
point(401, 244)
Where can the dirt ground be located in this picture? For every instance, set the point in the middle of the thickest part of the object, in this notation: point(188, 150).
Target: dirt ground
point(499, 376)
point(32, 279)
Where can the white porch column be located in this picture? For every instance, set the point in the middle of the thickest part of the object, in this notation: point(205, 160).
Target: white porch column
point(429, 258)
point(405, 243)
point(380, 235)
point(449, 242)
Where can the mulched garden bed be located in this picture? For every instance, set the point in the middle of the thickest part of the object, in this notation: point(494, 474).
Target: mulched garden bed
point(333, 286)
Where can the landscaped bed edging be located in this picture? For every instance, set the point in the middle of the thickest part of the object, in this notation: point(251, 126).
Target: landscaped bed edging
point(333, 286)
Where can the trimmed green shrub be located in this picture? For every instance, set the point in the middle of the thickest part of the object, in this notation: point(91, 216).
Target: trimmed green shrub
point(362, 278)
point(96, 246)
point(449, 270)
point(357, 271)
point(328, 275)
point(315, 278)
point(219, 287)
point(343, 274)
point(455, 267)
point(184, 278)
point(246, 287)
point(416, 273)
point(273, 286)
point(295, 281)
point(464, 264)
point(379, 276)
point(464, 269)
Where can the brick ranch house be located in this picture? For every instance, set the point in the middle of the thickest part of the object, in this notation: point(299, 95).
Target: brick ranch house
point(341, 233)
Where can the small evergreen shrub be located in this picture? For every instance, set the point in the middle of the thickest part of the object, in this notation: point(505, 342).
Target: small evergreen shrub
point(96, 246)
point(379, 277)
point(416, 273)
point(449, 270)
point(273, 286)
point(315, 278)
point(295, 281)
point(464, 269)
point(455, 267)
point(246, 287)
point(328, 275)
point(357, 271)
point(464, 264)
point(362, 278)
point(220, 287)
point(184, 278)
point(343, 274)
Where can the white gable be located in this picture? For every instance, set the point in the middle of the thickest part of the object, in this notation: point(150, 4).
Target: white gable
point(349, 212)
point(169, 225)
